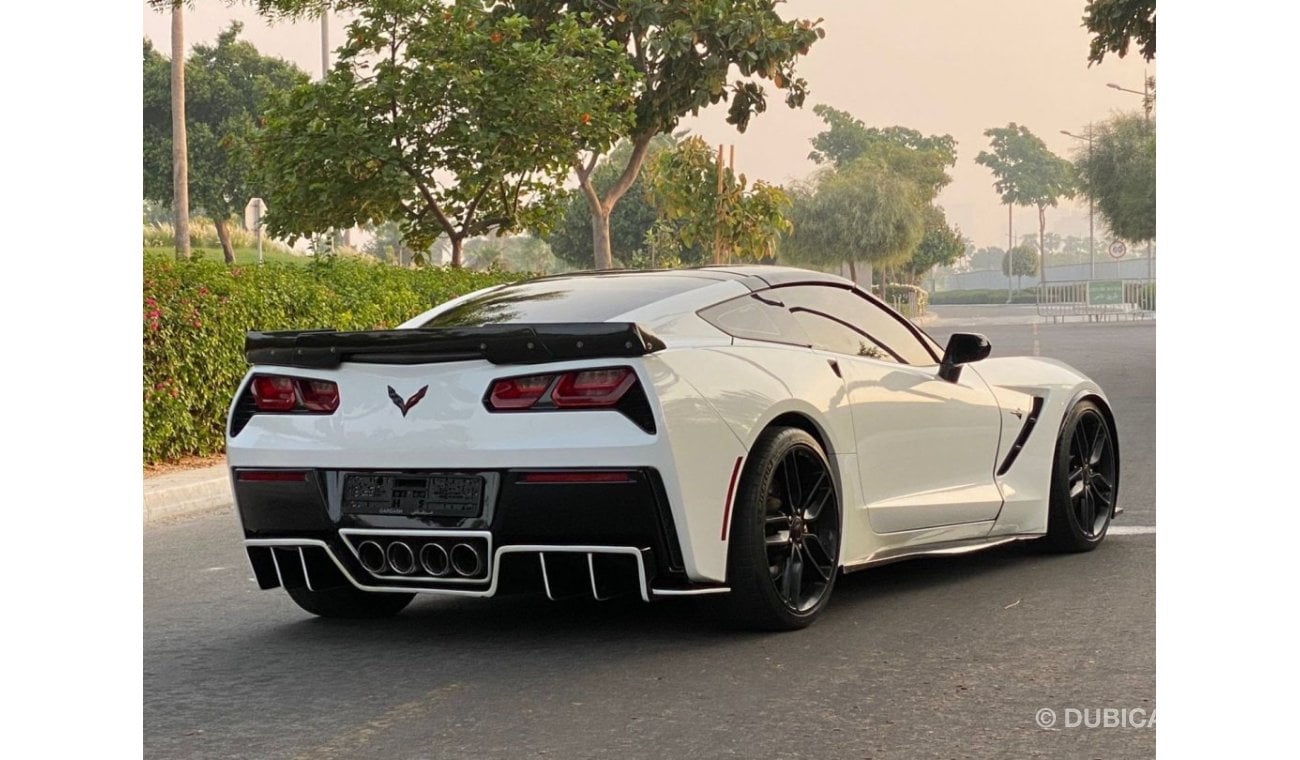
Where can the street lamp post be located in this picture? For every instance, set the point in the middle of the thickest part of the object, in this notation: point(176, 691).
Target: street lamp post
point(1092, 262)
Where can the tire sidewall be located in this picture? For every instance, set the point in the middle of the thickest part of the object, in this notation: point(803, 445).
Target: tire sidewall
point(747, 555)
point(1064, 521)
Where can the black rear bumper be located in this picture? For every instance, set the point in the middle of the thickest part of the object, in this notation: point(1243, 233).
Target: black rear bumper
point(520, 509)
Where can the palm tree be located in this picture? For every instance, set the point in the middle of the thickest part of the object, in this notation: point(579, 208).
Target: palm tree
point(180, 152)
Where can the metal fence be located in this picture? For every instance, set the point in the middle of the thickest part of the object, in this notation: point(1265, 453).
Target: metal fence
point(1098, 299)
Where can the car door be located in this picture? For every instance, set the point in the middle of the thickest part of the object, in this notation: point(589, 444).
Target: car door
point(926, 447)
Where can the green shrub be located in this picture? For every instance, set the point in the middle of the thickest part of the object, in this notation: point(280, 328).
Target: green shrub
point(994, 296)
point(900, 295)
point(196, 315)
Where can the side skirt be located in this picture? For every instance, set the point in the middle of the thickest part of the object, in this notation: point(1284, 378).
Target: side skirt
point(886, 556)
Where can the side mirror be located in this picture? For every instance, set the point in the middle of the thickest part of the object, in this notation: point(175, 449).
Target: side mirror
point(963, 348)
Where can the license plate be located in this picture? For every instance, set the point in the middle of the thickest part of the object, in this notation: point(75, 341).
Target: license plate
point(413, 495)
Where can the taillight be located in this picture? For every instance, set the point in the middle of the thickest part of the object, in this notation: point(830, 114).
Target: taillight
point(518, 392)
point(277, 393)
point(581, 389)
point(319, 395)
point(274, 394)
point(592, 388)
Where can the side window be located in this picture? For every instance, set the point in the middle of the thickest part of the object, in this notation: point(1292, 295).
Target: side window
point(876, 332)
point(753, 318)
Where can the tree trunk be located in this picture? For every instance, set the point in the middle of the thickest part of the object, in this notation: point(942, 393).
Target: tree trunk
point(853, 272)
point(601, 208)
point(223, 235)
point(604, 257)
point(180, 153)
point(456, 244)
point(1042, 249)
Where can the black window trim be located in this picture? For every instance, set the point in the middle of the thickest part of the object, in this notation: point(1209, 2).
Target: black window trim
point(856, 330)
point(921, 336)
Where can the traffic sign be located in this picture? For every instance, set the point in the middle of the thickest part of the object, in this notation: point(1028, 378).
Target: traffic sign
point(1118, 249)
point(253, 214)
point(1105, 292)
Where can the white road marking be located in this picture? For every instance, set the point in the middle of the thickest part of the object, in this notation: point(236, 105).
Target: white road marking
point(1131, 530)
point(1036, 350)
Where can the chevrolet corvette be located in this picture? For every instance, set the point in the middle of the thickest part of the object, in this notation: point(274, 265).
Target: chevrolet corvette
point(745, 434)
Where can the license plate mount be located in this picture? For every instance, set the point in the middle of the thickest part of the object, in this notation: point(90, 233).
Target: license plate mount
point(451, 495)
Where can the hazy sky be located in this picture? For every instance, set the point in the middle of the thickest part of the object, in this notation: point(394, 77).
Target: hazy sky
point(938, 66)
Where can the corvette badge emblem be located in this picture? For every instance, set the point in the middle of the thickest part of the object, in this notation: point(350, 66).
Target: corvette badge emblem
point(406, 405)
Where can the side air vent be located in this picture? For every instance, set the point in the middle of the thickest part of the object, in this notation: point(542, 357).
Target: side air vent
point(1030, 421)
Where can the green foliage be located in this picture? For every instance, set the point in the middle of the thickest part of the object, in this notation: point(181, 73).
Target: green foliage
point(1117, 23)
point(228, 87)
point(450, 119)
point(1026, 173)
point(1023, 260)
point(1029, 295)
point(629, 222)
point(683, 185)
point(847, 139)
point(195, 315)
point(1119, 173)
point(865, 211)
point(940, 245)
point(203, 233)
point(910, 300)
point(514, 253)
point(986, 258)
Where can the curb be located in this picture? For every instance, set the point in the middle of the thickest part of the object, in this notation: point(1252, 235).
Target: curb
point(186, 494)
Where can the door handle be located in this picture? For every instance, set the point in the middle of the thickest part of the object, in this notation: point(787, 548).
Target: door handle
point(835, 367)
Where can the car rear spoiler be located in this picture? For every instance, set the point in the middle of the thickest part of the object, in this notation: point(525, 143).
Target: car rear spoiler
point(499, 344)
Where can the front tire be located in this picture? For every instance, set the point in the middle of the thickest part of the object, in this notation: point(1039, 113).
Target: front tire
point(348, 602)
point(1085, 481)
point(784, 550)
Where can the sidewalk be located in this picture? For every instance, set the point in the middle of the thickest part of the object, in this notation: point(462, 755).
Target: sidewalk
point(186, 493)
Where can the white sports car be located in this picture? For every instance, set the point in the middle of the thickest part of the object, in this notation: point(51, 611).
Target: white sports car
point(748, 432)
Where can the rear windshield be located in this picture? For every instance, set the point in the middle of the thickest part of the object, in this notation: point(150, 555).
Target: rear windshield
point(593, 298)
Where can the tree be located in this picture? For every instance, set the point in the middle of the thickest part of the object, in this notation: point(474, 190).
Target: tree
point(453, 120)
point(1022, 260)
point(679, 56)
point(629, 223)
point(1027, 173)
point(1116, 23)
point(713, 213)
point(229, 87)
point(180, 157)
point(1119, 174)
point(987, 258)
point(865, 211)
point(941, 245)
point(847, 139)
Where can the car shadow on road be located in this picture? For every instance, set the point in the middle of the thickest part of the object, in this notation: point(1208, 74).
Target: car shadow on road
point(534, 619)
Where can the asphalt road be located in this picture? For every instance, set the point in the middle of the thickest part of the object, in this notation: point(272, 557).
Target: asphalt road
point(930, 658)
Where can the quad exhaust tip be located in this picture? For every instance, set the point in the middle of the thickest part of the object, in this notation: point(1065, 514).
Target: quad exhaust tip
point(401, 558)
point(466, 560)
point(434, 560)
point(372, 557)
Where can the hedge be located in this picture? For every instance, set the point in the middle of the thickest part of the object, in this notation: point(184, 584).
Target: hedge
point(995, 296)
point(196, 315)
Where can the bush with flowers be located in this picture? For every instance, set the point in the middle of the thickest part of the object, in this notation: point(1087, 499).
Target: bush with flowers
point(196, 315)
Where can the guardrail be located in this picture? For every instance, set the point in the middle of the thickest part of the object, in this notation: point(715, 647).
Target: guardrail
point(1098, 299)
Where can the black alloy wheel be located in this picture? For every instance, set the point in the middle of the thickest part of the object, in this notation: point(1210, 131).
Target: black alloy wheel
point(1085, 480)
point(783, 554)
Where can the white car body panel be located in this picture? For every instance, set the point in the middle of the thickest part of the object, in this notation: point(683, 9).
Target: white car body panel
point(914, 456)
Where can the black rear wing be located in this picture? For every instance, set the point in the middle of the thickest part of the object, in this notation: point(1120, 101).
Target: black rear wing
point(499, 344)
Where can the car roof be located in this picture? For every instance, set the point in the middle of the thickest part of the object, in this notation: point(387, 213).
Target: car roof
point(753, 276)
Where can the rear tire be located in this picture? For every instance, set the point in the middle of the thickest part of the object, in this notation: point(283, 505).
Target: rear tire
point(347, 602)
point(783, 555)
point(1085, 481)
